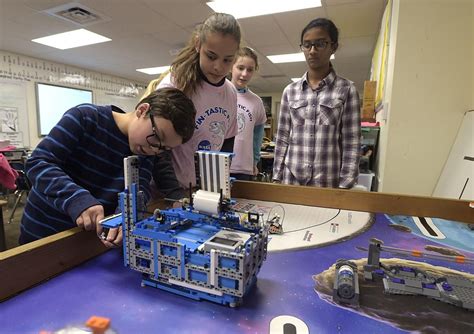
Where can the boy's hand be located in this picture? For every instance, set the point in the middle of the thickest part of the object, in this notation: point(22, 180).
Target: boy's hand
point(90, 217)
point(113, 238)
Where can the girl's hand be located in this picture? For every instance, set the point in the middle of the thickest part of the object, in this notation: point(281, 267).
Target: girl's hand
point(255, 171)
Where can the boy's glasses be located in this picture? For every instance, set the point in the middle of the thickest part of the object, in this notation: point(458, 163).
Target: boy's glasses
point(155, 143)
point(319, 45)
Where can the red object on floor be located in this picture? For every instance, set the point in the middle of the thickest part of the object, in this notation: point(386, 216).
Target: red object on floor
point(8, 175)
point(98, 324)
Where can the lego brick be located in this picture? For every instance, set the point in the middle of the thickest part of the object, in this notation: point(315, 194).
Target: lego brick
point(98, 324)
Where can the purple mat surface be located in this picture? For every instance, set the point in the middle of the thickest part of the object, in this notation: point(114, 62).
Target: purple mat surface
point(102, 286)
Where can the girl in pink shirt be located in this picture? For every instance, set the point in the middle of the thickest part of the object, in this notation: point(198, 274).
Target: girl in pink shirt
point(251, 117)
point(199, 70)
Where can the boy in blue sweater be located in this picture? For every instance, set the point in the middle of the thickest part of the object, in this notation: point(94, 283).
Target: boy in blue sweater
point(76, 171)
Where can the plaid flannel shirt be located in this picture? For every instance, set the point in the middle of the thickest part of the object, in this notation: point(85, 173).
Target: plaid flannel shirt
point(318, 137)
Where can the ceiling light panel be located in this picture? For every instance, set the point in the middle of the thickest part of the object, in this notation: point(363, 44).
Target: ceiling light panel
point(249, 8)
point(154, 70)
point(71, 39)
point(289, 58)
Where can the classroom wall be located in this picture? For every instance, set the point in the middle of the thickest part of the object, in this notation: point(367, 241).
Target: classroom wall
point(276, 99)
point(383, 115)
point(429, 88)
point(20, 73)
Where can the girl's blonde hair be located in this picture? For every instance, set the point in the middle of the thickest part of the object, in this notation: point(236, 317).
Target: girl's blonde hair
point(153, 84)
point(185, 67)
point(248, 52)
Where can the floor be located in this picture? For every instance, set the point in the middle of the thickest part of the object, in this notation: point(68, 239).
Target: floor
point(12, 231)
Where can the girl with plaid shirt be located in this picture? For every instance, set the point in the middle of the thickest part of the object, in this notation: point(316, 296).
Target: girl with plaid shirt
point(318, 137)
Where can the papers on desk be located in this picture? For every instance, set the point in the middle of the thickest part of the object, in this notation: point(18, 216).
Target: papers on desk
point(267, 155)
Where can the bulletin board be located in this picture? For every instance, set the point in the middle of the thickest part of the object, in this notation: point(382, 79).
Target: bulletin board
point(267, 103)
point(13, 113)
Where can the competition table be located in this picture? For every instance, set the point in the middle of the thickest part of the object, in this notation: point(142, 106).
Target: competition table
point(103, 286)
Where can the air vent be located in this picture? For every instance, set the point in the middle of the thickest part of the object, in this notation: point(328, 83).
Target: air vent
point(77, 13)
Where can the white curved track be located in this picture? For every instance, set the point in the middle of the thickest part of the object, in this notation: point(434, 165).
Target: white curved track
point(307, 226)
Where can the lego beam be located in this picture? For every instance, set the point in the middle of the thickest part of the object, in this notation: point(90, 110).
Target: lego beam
point(394, 204)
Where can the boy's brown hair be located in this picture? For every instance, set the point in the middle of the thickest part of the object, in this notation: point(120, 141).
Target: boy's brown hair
point(173, 105)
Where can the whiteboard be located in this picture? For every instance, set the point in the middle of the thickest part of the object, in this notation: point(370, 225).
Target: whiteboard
point(53, 101)
point(14, 113)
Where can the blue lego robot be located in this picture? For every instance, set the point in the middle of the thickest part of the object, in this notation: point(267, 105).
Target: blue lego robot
point(203, 250)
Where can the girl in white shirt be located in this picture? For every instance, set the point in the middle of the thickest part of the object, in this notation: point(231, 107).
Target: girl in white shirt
point(199, 70)
point(251, 117)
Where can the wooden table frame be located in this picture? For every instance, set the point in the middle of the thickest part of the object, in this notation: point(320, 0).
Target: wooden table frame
point(27, 265)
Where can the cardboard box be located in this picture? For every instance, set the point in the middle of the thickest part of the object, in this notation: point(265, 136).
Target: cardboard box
point(370, 90)
point(368, 114)
point(368, 104)
point(368, 100)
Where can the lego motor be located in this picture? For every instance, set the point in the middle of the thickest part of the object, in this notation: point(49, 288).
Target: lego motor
point(275, 223)
point(346, 283)
point(275, 227)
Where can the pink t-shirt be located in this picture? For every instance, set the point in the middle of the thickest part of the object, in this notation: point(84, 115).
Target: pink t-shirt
point(216, 120)
point(250, 113)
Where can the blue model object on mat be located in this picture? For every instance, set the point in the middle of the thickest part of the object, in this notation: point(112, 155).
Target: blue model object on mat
point(203, 250)
point(408, 280)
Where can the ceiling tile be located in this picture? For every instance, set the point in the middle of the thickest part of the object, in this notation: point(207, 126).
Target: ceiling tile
point(145, 33)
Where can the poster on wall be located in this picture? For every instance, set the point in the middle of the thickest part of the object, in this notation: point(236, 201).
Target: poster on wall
point(9, 130)
point(14, 113)
point(267, 104)
point(9, 119)
point(11, 138)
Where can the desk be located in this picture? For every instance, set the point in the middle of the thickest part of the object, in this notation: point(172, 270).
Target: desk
point(266, 165)
point(366, 180)
point(3, 245)
point(104, 287)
